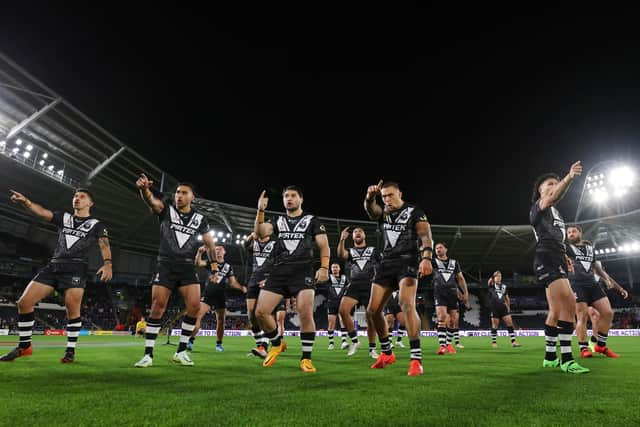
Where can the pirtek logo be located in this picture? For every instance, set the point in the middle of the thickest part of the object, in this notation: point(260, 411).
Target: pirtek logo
point(395, 227)
point(71, 231)
point(183, 229)
point(290, 236)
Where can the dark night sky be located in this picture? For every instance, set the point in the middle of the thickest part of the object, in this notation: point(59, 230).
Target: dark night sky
point(465, 112)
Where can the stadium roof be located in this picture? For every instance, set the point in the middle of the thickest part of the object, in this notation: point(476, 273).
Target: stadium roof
point(68, 149)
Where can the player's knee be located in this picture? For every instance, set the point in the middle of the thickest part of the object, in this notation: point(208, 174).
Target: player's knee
point(372, 312)
point(408, 307)
point(158, 306)
point(261, 313)
point(23, 306)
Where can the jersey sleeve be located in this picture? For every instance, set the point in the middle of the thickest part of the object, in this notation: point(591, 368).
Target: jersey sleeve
point(101, 230)
point(458, 269)
point(569, 252)
point(419, 215)
point(165, 210)
point(231, 272)
point(317, 227)
point(535, 214)
point(204, 226)
point(58, 217)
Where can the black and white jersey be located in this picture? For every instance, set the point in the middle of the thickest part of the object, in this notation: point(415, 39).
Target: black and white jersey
point(444, 273)
point(260, 253)
point(75, 236)
point(363, 262)
point(179, 233)
point(583, 257)
point(497, 294)
point(225, 272)
point(337, 285)
point(399, 230)
point(295, 238)
point(548, 228)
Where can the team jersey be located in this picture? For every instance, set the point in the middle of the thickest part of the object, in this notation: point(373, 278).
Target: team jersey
point(225, 272)
point(75, 237)
point(583, 257)
point(497, 294)
point(444, 273)
point(337, 285)
point(363, 263)
point(548, 228)
point(295, 238)
point(260, 253)
point(179, 233)
point(399, 230)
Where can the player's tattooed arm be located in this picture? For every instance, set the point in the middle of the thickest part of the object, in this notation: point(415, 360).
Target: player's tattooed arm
point(561, 187)
point(371, 206)
point(198, 261)
point(342, 252)
point(207, 238)
point(423, 229)
point(32, 208)
point(263, 202)
point(597, 268)
point(106, 271)
point(322, 275)
point(465, 289)
point(144, 186)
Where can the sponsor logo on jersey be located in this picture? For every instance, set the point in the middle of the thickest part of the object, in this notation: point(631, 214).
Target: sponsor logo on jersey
point(393, 229)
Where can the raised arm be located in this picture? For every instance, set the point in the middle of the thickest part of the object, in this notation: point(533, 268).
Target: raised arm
point(248, 242)
point(33, 208)
point(342, 252)
point(370, 204)
point(144, 186)
point(263, 201)
point(198, 261)
point(106, 271)
point(561, 188)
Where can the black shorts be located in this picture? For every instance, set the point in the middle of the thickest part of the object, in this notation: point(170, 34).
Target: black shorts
point(361, 292)
point(333, 306)
point(282, 306)
point(499, 311)
point(588, 293)
point(253, 290)
point(391, 271)
point(421, 301)
point(214, 296)
point(288, 280)
point(174, 275)
point(446, 298)
point(392, 307)
point(63, 275)
point(549, 267)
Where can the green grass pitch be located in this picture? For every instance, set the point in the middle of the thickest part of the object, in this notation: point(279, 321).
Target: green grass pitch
point(478, 386)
